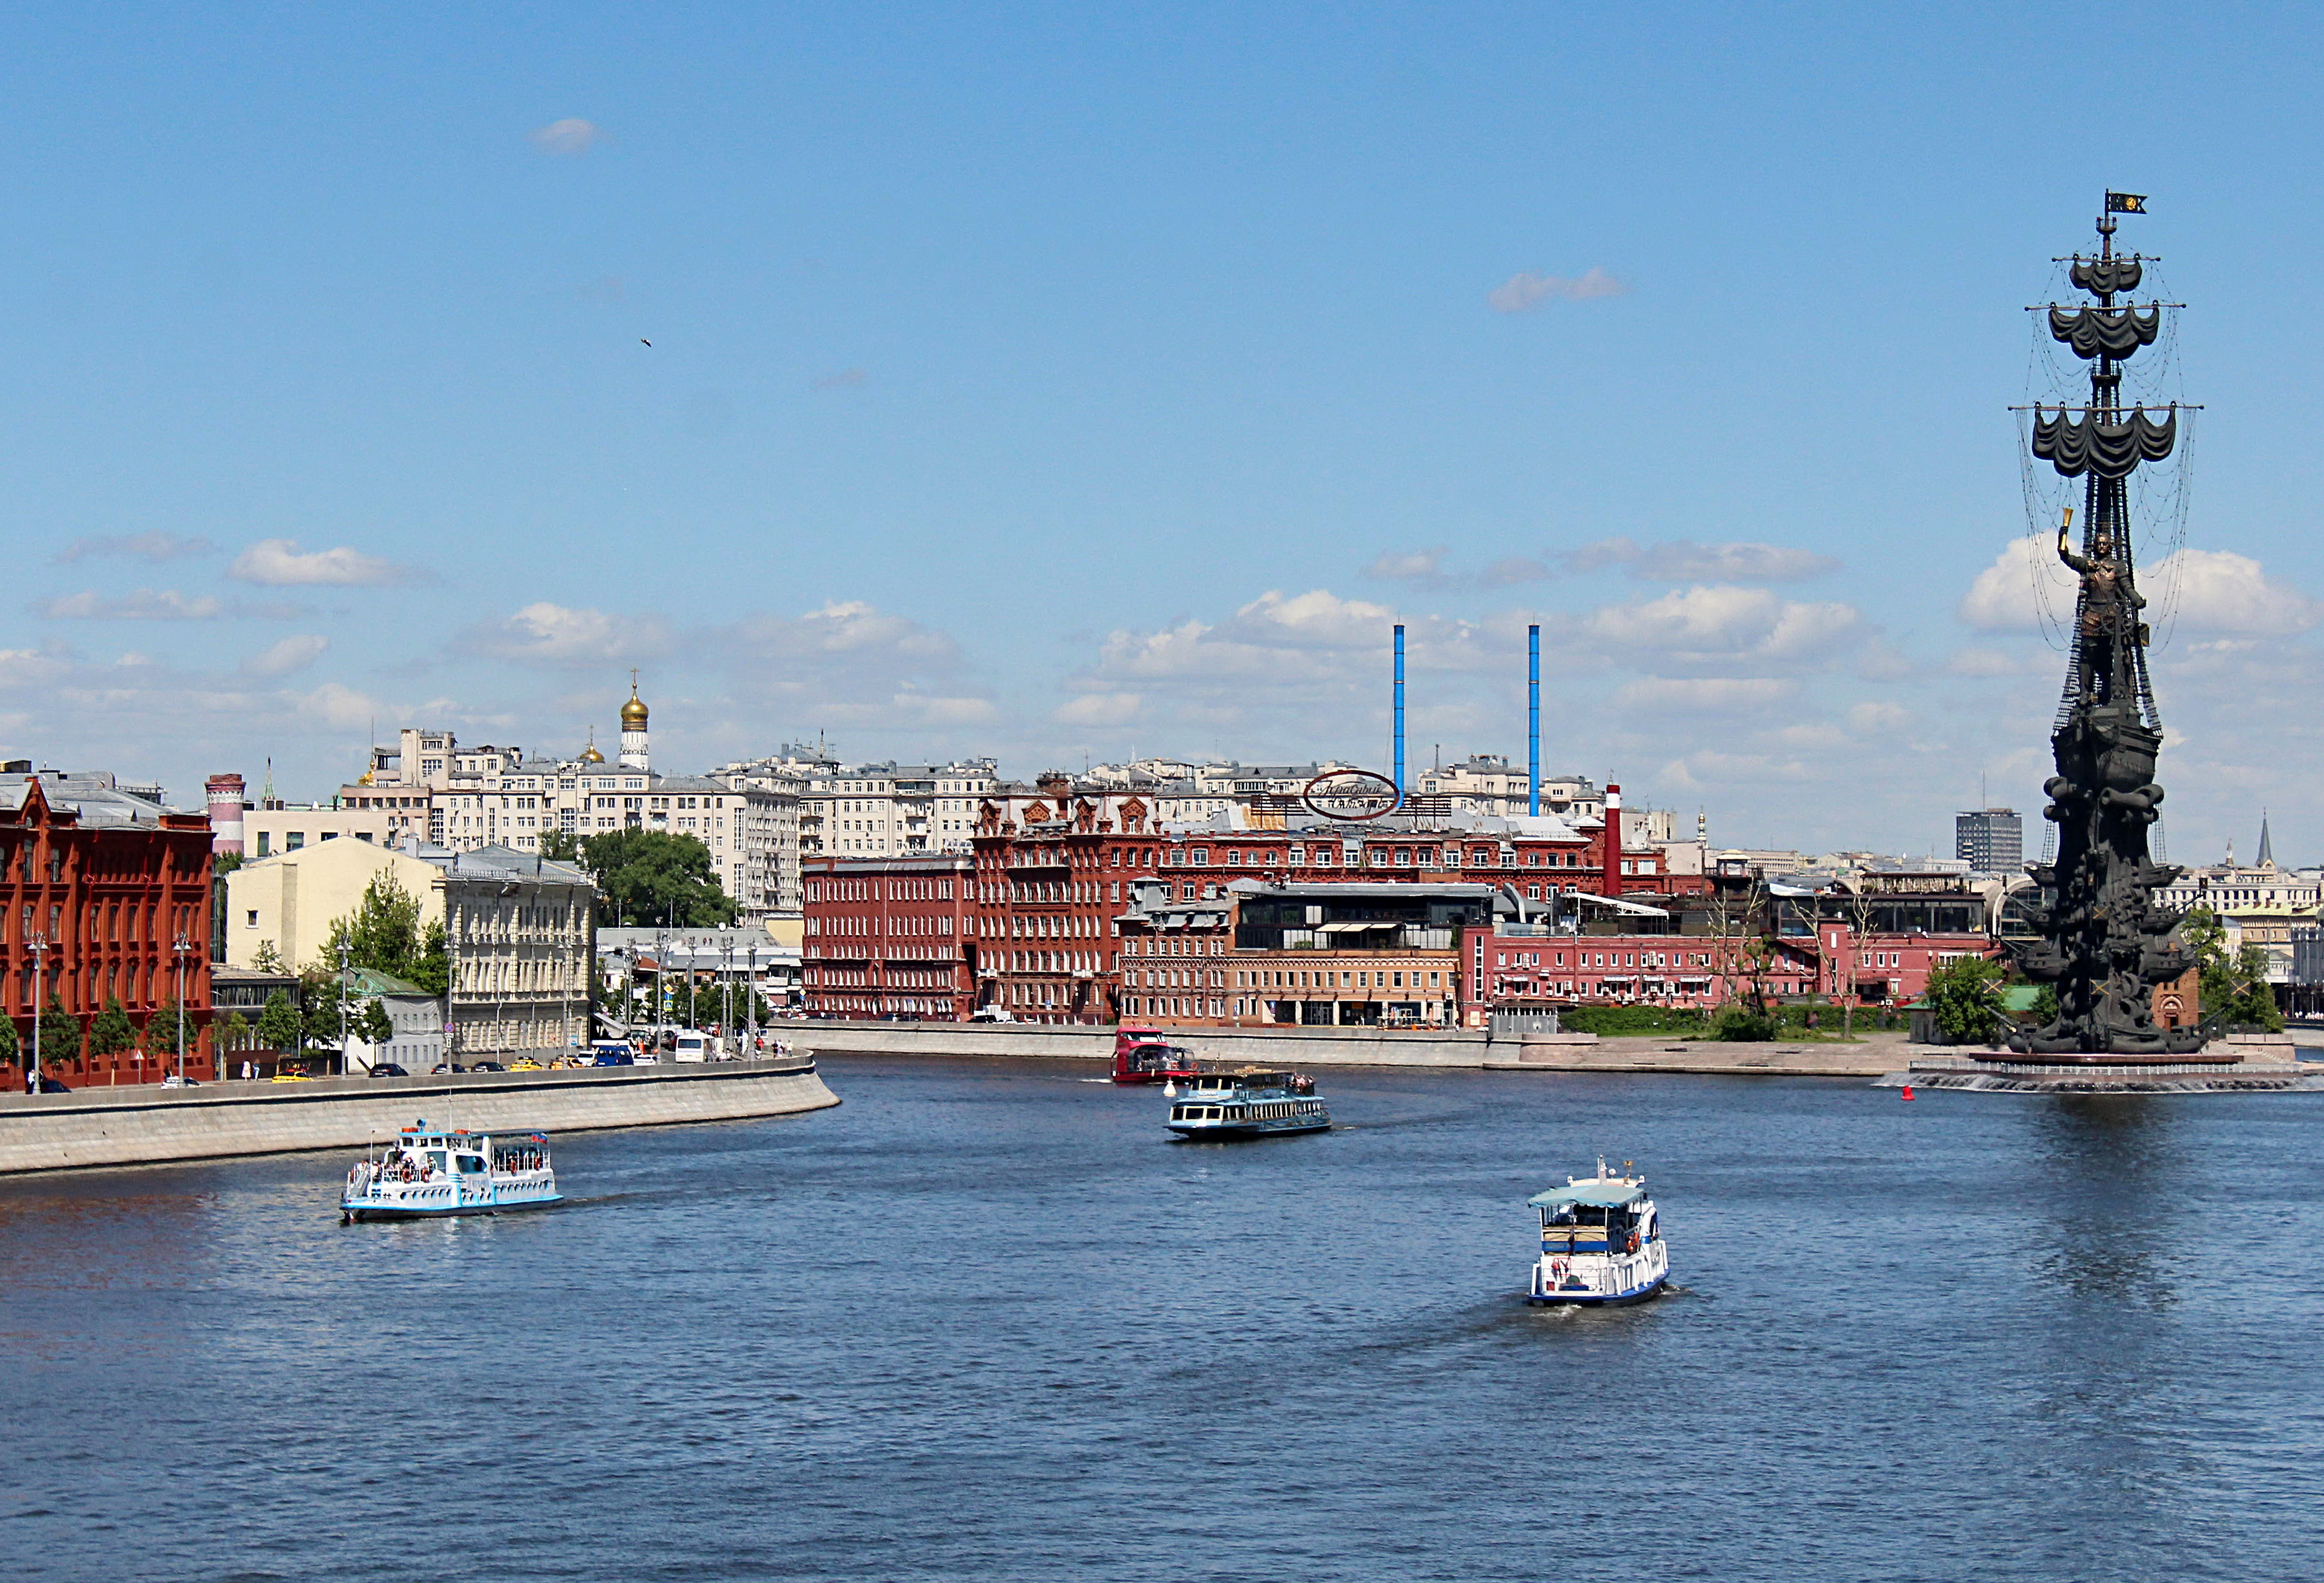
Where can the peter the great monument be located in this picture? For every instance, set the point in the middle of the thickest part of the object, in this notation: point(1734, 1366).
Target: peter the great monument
point(2100, 939)
point(2105, 944)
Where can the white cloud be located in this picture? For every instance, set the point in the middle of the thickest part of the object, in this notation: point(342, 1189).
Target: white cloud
point(338, 705)
point(139, 604)
point(842, 627)
point(1715, 627)
point(1513, 569)
point(1685, 561)
point(1522, 291)
point(557, 634)
point(155, 545)
point(21, 667)
point(571, 135)
point(293, 654)
point(2217, 590)
point(1706, 694)
point(1101, 709)
point(1880, 716)
point(2205, 591)
point(280, 562)
point(2023, 581)
point(1419, 566)
point(846, 379)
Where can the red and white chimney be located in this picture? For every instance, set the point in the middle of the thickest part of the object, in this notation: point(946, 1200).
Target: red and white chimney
point(224, 795)
point(1612, 839)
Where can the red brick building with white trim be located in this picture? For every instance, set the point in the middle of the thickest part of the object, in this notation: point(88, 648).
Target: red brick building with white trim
point(98, 911)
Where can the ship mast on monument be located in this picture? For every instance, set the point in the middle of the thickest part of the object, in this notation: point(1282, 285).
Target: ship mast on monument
point(2104, 942)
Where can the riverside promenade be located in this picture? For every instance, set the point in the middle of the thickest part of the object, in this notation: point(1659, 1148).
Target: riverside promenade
point(149, 1124)
point(1871, 1056)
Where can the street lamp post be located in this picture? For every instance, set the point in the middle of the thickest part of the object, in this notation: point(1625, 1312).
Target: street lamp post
point(343, 1007)
point(726, 986)
point(39, 946)
point(751, 996)
point(178, 949)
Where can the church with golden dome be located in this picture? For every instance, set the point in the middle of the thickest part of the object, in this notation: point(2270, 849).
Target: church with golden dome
point(469, 797)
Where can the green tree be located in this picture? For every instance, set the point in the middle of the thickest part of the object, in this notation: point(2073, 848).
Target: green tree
point(2234, 984)
point(384, 933)
point(161, 1032)
point(321, 993)
point(110, 1031)
point(266, 959)
point(8, 1046)
point(374, 1027)
point(225, 863)
point(1965, 994)
point(278, 1023)
point(233, 1031)
point(60, 1032)
point(559, 846)
point(647, 877)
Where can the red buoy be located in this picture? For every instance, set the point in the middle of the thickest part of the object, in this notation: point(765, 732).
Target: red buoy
point(1908, 1090)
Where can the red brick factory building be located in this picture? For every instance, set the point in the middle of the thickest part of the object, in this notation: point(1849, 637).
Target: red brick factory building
point(1076, 907)
point(106, 897)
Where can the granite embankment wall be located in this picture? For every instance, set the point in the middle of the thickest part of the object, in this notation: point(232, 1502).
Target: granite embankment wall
point(1226, 1046)
point(148, 1124)
point(1311, 1048)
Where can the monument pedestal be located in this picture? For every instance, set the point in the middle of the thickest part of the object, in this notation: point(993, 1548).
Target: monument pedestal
point(2260, 1064)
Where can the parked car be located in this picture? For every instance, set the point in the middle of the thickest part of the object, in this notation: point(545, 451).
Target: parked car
point(180, 1081)
point(488, 1067)
point(693, 1046)
point(619, 1055)
point(442, 1067)
point(389, 1069)
point(45, 1084)
point(525, 1063)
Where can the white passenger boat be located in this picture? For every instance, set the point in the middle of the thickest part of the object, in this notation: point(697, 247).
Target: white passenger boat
point(1602, 1242)
point(431, 1171)
point(1248, 1103)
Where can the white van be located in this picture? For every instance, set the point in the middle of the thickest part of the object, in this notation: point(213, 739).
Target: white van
point(694, 1047)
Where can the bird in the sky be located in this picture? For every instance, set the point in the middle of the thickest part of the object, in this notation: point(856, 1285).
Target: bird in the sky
point(643, 342)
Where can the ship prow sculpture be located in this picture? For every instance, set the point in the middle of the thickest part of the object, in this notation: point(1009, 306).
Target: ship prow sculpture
point(2104, 942)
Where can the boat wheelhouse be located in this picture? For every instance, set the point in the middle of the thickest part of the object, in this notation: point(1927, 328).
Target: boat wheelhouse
point(1141, 1055)
point(429, 1172)
point(1251, 1103)
point(1602, 1242)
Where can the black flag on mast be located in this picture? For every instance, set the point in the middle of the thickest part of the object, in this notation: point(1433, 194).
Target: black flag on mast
point(2126, 203)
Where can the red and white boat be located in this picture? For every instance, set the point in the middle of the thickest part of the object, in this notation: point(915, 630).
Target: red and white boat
point(1144, 1055)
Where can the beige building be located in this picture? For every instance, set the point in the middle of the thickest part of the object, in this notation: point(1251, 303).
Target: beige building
point(272, 829)
point(518, 928)
point(289, 901)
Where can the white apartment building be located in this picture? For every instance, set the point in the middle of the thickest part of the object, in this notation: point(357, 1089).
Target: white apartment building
point(873, 810)
point(483, 797)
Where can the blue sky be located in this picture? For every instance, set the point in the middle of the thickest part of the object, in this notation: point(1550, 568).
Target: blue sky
point(1051, 383)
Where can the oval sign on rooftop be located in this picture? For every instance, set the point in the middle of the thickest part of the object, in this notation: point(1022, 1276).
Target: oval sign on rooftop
point(1351, 793)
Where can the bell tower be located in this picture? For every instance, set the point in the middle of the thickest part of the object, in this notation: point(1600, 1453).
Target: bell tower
point(633, 729)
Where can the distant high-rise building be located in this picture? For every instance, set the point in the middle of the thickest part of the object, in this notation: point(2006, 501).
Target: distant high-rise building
point(1991, 840)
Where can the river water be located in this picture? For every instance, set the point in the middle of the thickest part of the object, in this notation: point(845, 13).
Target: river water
point(986, 1320)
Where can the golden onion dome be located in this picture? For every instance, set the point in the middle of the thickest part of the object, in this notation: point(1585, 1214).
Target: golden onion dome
point(633, 713)
point(589, 755)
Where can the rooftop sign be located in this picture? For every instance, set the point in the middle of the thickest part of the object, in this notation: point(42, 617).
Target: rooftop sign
point(1351, 793)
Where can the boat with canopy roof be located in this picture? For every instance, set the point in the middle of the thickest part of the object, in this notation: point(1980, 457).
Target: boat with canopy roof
point(1602, 1242)
point(431, 1171)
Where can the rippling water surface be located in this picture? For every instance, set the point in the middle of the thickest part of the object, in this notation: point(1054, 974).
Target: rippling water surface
point(985, 1320)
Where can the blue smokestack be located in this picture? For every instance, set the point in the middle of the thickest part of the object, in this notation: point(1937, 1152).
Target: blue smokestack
point(1399, 710)
point(1533, 720)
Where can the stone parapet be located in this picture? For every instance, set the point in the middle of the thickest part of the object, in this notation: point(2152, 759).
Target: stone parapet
point(149, 1125)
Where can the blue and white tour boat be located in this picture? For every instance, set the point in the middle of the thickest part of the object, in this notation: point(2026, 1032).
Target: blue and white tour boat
point(1602, 1242)
point(1251, 1103)
point(428, 1172)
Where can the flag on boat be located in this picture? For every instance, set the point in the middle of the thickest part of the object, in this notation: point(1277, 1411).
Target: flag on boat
point(2126, 203)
